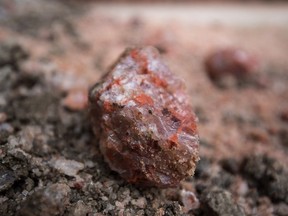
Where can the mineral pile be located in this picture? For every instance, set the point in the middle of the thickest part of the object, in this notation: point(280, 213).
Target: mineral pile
point(142, 117)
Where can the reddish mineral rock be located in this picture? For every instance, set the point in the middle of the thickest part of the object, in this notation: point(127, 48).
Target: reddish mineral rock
point(146, 127)
point(230, 62)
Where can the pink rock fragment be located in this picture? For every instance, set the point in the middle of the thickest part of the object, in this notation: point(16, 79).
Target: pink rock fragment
point(76, 100)
point(231, 62)
point(145, 124)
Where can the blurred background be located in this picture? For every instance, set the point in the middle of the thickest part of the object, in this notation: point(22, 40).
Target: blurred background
point(232, 55)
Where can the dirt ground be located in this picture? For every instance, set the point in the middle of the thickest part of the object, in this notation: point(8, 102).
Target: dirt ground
point(52, 52)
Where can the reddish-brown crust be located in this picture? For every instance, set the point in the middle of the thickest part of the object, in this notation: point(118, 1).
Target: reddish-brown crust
point(145, 125)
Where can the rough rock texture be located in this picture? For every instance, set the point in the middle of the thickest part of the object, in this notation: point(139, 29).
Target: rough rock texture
point(146, 126)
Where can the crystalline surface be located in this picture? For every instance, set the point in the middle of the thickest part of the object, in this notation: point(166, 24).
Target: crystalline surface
point(142, 117)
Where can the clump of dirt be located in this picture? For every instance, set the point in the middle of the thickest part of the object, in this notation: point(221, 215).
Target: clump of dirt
point(268, 176)
point(219, 202)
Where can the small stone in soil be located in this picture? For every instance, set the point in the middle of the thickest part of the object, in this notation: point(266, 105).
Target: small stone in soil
point(49, 201)
point(218, 202)
point(142, 116)
point(189, 200)
point(80, 209)
point(7, 178)
point(5, 131)
point(230, 65)
point(68, 167)
point(76, 100)
point(169, 209)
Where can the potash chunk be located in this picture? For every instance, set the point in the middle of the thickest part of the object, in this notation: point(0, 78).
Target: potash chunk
point(142, 117)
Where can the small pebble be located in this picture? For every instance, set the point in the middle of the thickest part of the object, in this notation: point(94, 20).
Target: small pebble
point(142, 116)
point(7, 179)
point(140, 202)
point(219, 202)
point(67, 167)
point(76, 100)
point(232, 64)
point(80, 209)
point(189, 200)
point(48, 201)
